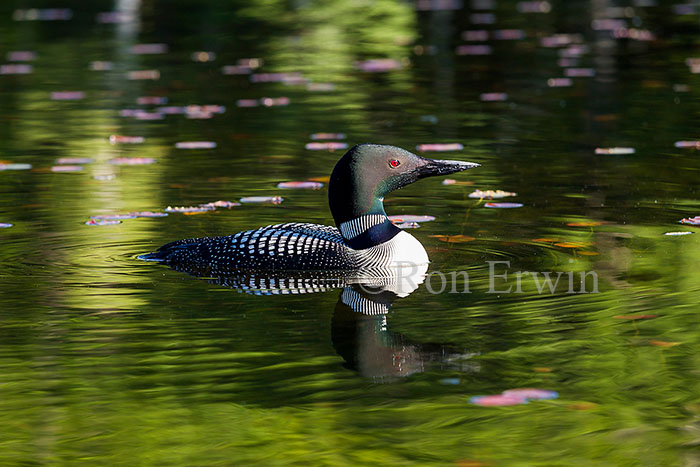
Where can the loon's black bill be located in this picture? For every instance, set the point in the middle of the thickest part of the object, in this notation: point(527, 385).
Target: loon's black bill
point(444, 167)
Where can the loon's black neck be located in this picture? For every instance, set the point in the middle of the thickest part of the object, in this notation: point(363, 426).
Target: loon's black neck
point(357, 209)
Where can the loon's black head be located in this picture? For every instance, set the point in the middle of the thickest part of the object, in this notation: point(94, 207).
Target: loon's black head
point(367, 172)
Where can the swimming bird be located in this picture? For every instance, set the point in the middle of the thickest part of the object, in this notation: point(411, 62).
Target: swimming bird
point(364, 238)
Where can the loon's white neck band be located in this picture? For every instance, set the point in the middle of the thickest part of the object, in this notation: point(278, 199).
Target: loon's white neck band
point(355, 227)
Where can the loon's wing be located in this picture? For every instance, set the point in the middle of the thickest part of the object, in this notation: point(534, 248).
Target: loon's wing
point(292, 246)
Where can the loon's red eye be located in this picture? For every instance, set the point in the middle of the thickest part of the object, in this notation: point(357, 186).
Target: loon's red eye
point(394, 163)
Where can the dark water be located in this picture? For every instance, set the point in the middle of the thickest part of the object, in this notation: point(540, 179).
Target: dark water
point(105, 359)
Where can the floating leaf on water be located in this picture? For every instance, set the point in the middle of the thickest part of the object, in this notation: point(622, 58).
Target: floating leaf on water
point(573, 244)
point(503, 205)
point(220, 204)
point(74, 160)
point(151, 100)
point(493, 96)
point(635, 317)
point(411, 218)
point(407, 225)
point(113, 217)
point(663, 343)
point(262, 199)
point(320, 87)
point(118, 139)
point(678, 234)
point(559, 82)
point(15, 166)
point(329, 146)
point(324, 179)
point(149, 49)
point(497, 400)
point(615, 151)
point(66, 168)
point(195, 145)
point(5, 225)
point(16, 69)
point(545, 240)
point(532, 393)
point(247, 103)
point(102, 222)
point(99, 65)
point(138, 75)
point(491, 194)
point(378, 65)
point(274, 101)
point(21, 56)
point(691, 221)
point(687, 144)
point(453, 238)
point(317, 136)
point(584, 224)
point(188, 209)
point(148, 214)
point(67, 95)
point(132, 161)
point(203, 56)
point(301, 185)
point(439, 147)
point(588, 253)
point(542, 369)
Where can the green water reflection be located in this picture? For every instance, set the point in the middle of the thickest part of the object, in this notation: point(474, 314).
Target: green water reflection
point(106, 359)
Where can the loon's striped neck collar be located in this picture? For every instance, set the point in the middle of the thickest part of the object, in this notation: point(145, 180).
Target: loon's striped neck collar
point(368, 231)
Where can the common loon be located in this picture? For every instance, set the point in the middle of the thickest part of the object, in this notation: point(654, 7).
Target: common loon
point(364, 239)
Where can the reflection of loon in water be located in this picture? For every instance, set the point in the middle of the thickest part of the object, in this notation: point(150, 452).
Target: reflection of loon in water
point(359, 328)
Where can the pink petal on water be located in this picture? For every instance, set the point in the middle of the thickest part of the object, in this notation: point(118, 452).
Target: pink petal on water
point(320, 87)
point(678, 234)
point(66, 168)
point(438, 5)
point(102, 222)
point(301, 185)
point(687, 144)
point(113, 217)
point(220, 204)
point(67, 95)
point(98, 65)
point(15, 166)
point(250, 62)
point(439, 147)
point(114, 17)
point(5, 225)
point(579, 72)
point(203, 56)
point(491, 194)
point(559, 82)
point(275, 77)
point(149, 49)
point(617, 151)
point(171, 110)
point(16, 69)
point(531, 393)
point(477, 49)
point(493, 96)
point(503, 205)
point(475, 35)
point(497, 400)
point(247, 103)
point(534, 7)
point(74, 160)
point(132, 161)
point(186, 209)
point(236, 70)
point(509, 34)
point(274, 101)
point(329, 146)
point(21, 56)
point(449, 181)
point(411, 218)
point(691, 221)
point(120, 139)
point(195, 145)
point(262, 199)
point(148, 214)
point(317, 136)
point(378, 65)
point(482, 18)
point(408, 225)
point(151, 100)
point(137, 75)
point(142, 115)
